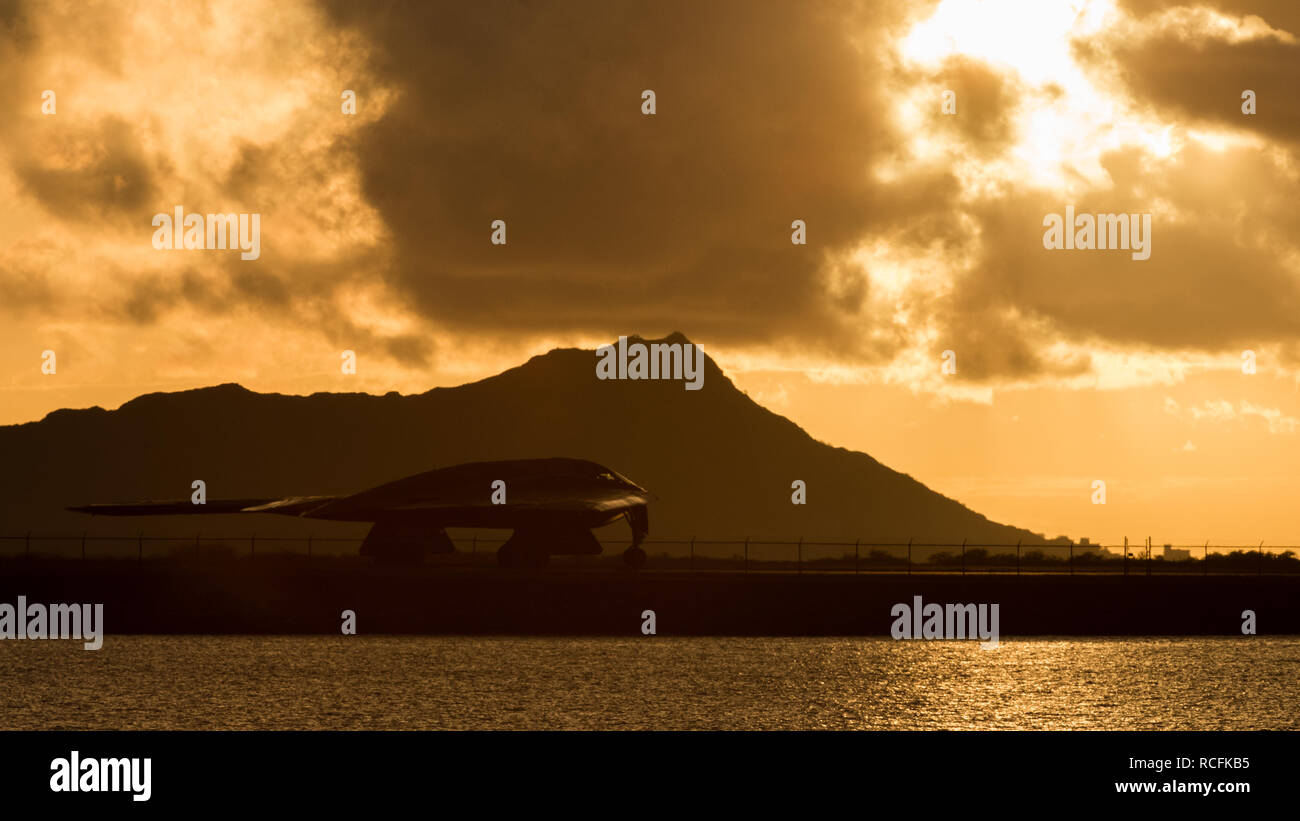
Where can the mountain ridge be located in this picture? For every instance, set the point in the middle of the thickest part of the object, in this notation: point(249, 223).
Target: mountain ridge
point(721, 464)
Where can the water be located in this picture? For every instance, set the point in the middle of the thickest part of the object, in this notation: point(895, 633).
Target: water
point(358, 682)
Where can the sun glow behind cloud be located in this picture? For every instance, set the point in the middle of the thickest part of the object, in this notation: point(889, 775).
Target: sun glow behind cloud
point(1069, 115)
point(1030, 37)
point(1064, 122)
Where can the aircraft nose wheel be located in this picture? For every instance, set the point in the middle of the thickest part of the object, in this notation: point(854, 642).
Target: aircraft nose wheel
point(634, 558)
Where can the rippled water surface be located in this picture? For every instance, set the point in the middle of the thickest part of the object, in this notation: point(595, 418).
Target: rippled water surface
point(306, 682)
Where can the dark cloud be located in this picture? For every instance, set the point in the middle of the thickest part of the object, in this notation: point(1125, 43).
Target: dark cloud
point(262, 288)
point(149, 297)
point(408, 348)
point(16, 26)
point(994, 341)
point(114, 182)
point(986, 101)
point(412, 350)
point(1202, 78)
point(26, 287)
point(145, 298)
point(767, 112)
point(1213, 282)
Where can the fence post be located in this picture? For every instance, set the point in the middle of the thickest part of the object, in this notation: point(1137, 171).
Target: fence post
point(1126, 555)
point(692, 564)
point(746, 554)
point(963, 556)
point(1071, 558)
point(799, 561)
point(1148, 557)
point(1259, 566)
point(1205, 563)
point(909, 555)
point(855, 554)
point(1018, 556)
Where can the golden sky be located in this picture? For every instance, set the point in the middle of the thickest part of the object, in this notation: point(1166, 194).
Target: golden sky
point(924, 228)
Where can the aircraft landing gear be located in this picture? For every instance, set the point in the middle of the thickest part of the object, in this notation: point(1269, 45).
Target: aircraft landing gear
point(634, 558)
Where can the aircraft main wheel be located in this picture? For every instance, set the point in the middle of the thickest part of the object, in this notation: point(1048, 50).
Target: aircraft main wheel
point(634, 557)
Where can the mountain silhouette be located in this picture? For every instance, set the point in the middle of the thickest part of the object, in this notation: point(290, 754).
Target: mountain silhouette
point(721, 465)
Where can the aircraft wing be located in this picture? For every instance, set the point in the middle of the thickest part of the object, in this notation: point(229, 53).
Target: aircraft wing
point(291, 506)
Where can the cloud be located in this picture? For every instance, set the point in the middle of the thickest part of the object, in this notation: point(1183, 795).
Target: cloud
point(1225, 269)
point(1182, 298)
point(1194, 62)
point(245, 119)
point(987, 100)
point(95, 173)
point(767, 112)
point(924, 230)
point(1222, 411)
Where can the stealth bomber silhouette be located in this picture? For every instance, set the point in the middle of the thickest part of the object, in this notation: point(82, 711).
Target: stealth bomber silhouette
point(550, 504)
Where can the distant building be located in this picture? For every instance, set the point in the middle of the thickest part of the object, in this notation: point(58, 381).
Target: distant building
point(1085, 546)
point(1174, 554)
